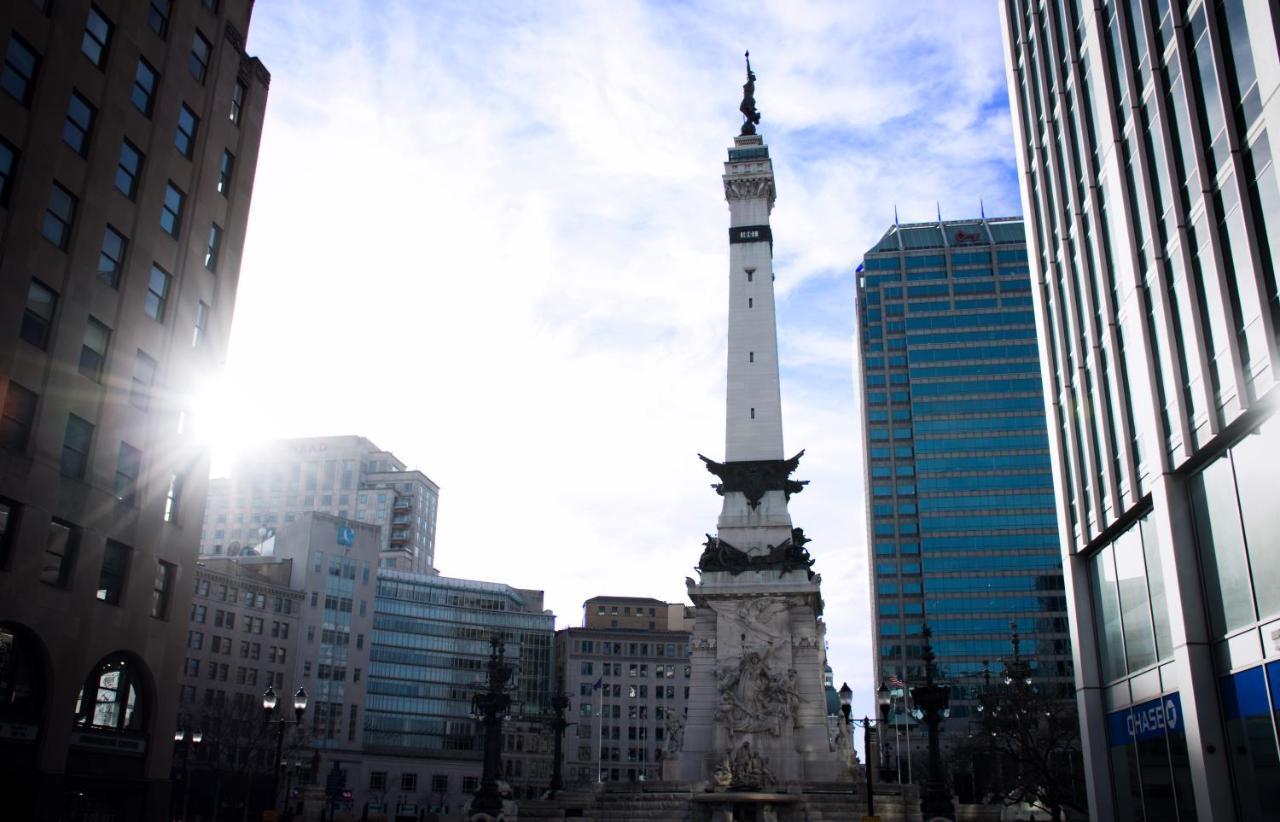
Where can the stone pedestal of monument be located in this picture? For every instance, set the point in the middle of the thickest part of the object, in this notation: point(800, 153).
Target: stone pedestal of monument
point(756, 706)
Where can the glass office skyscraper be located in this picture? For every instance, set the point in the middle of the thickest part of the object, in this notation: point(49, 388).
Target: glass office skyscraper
point(960, 495)
point(430, 646)
point(1145, 132)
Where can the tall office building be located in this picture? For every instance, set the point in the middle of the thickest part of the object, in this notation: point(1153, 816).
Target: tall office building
point(961, 517)
point(626, 672)
point(345, 476)
point(128, 140)
point(1145, 137)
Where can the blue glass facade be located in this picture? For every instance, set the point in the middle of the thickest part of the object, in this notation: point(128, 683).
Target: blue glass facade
point(430, 644)
point(961, 504)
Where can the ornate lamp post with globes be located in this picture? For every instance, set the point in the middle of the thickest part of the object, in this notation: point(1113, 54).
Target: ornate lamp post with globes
point(490, 706)
point(559, 703)
point(269, 702)
point(932, 701)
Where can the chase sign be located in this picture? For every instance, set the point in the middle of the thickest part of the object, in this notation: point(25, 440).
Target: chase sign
point(1155, 719)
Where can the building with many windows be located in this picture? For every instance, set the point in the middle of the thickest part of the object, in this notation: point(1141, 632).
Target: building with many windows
point(129, 137)
point(390, 661)
point(626, 672)
point(431, 641)
point(345, 476)
point(960, 503)
point(296, 613)
point(1145, 135)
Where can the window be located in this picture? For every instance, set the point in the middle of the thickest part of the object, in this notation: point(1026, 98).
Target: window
point(111, 258)
point(237, 101)
point(171, 213)
point(97, 37)
point(144, 379)
point(9, 513)
point(202, 322)
point(129, 169)
point(157, 293)
point(128, 469)
point(198, 63)
point(8, 163)
point(59, 216)
point(215, 243)
point(79, 122)
point(19, 74)
point(59, 553)
point(185, 139)
point(38, 316)
point(16, 419)
point(93, 353)
point(109, 699)
point(161, 590)
point(158, 16)
point(408, 782)
point(115, 567)
point(172, 499)
point(224, 172)
point(75, 446)
point(145, 80)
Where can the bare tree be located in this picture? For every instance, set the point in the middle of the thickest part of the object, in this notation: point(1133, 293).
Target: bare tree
point(1030, 741)
point(239, 751)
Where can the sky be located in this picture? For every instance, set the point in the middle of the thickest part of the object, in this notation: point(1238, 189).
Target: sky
point(491, 237)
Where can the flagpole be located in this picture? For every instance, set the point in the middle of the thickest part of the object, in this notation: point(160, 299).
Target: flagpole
point(897, 742)
point(906, 690)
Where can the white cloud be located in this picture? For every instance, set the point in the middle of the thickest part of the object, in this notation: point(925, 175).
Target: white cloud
point(492, 239)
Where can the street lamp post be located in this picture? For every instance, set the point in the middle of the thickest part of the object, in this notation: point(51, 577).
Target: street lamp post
point(196, 738)
point(491, 705)
point(290, 768)
point(932, 700)
point(559, 703)
point(846, 708)
point(269, 702)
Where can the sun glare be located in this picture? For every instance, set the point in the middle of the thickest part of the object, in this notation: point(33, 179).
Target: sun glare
point(221, 420)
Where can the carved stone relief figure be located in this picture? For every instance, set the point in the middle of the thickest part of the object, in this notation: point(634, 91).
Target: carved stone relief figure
point(675, 735)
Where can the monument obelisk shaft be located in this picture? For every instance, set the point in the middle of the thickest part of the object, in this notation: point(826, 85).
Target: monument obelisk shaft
point(753, 406)
point(756, 715)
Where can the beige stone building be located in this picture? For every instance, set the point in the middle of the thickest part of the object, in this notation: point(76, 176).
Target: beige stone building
point(346, 476)
point(626, 672)
point(129, 137)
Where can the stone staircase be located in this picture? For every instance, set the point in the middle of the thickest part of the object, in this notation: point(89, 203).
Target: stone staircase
point(674, 802)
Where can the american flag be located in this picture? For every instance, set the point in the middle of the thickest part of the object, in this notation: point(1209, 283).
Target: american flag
point(894, 682)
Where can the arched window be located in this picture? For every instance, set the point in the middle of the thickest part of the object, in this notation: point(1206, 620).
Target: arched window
point(111, 698)
point(21, 692)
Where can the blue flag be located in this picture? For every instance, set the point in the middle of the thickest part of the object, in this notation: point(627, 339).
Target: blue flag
point(599, 683)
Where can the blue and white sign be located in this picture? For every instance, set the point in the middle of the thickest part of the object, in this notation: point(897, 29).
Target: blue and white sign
point(1147, 720)
point(346, 535)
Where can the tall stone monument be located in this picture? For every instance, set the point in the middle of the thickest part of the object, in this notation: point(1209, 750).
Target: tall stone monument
point(756, 717)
